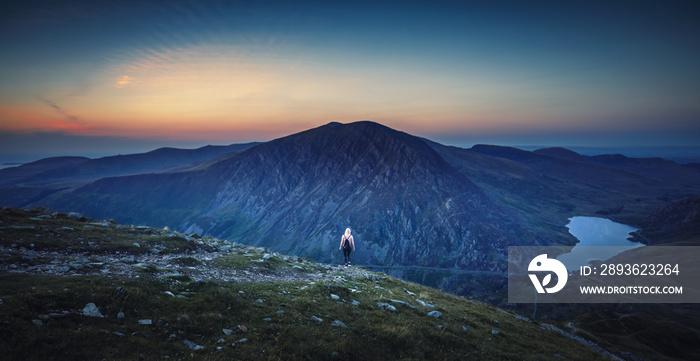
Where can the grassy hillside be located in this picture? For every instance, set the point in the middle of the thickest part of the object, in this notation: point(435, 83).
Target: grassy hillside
point(165, 295)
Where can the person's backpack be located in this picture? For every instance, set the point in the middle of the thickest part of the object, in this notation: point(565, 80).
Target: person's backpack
point(346, 242)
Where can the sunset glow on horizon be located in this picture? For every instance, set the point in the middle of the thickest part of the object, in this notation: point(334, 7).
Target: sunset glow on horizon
point(220, 73)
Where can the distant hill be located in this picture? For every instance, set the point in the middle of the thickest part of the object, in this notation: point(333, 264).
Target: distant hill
point(15, 175)
point(614, 186)
point(72, 169)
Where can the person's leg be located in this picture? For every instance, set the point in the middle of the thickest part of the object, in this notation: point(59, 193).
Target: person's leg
point(346, 256)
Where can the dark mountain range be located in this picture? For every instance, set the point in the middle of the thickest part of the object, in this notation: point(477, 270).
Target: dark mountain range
point(72, 169)
point(409, 201)
point(16, 175)
point(626, 189)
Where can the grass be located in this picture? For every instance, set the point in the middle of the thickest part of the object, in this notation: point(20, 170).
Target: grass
point(41, 317)
point(211, 307)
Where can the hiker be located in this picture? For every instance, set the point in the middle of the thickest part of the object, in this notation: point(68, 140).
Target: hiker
point(347, 244)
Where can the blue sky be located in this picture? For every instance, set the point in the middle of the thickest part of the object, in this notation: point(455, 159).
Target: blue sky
point(98, 76)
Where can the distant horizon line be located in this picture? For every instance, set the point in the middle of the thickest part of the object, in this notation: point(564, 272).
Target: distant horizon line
point(682, 154)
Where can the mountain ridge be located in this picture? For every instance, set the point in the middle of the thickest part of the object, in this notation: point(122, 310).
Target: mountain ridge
point(409, 201)
point(72, 169)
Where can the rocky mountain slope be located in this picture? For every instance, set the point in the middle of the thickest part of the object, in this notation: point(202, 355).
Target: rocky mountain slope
point(677, 223)
point(296, 194)
point(75, 288)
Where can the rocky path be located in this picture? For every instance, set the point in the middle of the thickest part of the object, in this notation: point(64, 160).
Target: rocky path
point(59, 263)
point(66, 245)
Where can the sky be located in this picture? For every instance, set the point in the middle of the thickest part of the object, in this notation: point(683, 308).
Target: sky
point(99, 77)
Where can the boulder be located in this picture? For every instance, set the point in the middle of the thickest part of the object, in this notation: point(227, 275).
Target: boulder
point(435, 314)
point(338, 323)
point(386, 306)
point(424, 304)
point(91, 310)
point(193, 345)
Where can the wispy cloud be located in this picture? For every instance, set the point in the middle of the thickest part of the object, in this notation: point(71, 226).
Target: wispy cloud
point(60, 110)
point(70, 122)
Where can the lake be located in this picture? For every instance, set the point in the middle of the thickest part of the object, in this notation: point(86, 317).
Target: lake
point(596, 231)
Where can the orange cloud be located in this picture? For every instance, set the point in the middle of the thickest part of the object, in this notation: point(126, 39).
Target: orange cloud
point(123, 81)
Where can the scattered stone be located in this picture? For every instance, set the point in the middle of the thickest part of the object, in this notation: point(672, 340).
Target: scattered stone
point(243, 340)
point(227, 331)
point(243, 328)
point(136, 244)
point(495, 332)
point(120, 315)
point(384, 289)
point(386, 306)
point(339, 324)
point(118, 334)
point(316, 319)
point(440, 327)
point(146, 322)
point(91, 310)
point(335, 297)
point(435, 314)
point(279, 312)
point(465, 328)
point(169, 293)
point(409, 292)
point(1, 301)
point(193, 345)
point(267, 319)
point(259, 300)
point(64, 269)
point(425, 304)
point(58, 315)
point(37, 323)
point(403, 303)
point(355, 303)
